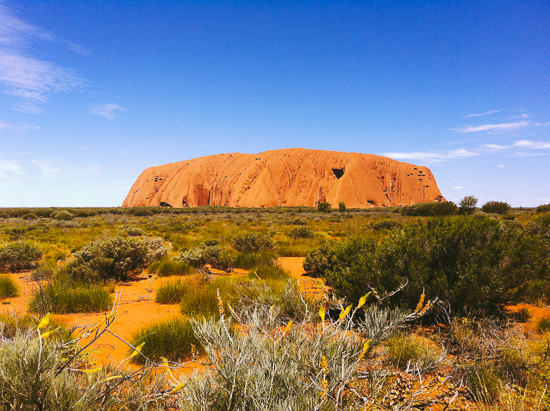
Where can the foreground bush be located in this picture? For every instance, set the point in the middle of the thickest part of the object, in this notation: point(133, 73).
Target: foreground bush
point(172, 292)
point(8, 287)
point(19, 256)
point(301, 232)
point(173, 339)
point(40, 372)
point(466, 261)
point(115, 258)
point(201, 255)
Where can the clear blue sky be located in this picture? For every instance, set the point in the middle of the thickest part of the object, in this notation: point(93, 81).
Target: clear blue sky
point(94, 92)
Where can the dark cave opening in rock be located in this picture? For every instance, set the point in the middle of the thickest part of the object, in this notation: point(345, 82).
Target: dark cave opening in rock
point(338, 172)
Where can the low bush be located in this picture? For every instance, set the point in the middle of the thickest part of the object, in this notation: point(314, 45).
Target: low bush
point(62, 215)
point(436, 208)
point(19, 256)
point(301, 232)
point(386, 225)
point(202, 299)
point(319, 260)
point(252, 243)
point(130, 231)
point(543, 325)
point(466, 261)
point(8, 287)
point(544, 208)
point(29, 216)
point(201, 255)
point(115, 258)
point(496, 207)
point(324, 207)
point(173, 339)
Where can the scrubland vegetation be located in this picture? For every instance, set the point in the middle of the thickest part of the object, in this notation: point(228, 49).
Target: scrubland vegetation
point(417, 316)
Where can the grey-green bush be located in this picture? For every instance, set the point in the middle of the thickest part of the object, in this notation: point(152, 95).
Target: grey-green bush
point(19, 256)
point(115, 258)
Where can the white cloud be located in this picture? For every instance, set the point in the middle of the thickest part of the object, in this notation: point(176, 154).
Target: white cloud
point(457, 187)
point(501, 166)
point(22, 75)
point(495, 147)
point(524, 115)
point(542, 124)
point(433, 155)
point(481, 114)
point(107, 110)
point(531, 144)
point(47, 167)
point(486, 127)
point(8, 167)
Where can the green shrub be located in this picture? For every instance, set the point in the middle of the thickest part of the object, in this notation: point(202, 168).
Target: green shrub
point(19, 256)
point(523, 315)
point(386, 225)
point(172, 292)
point(130, 231)
point(142, 212)
point(436, 208)
point(324, 207)
point(319, 260)
point(173, 339)
point(496, 207)
point(302, 232)
point(543, 325)
point(199, 256)
point(29, 216)
point(116, 258)
point(543, 208)
point(202, 299)
point(8, 287)
point(62, 215)
point(252, 243)
point(466, 261)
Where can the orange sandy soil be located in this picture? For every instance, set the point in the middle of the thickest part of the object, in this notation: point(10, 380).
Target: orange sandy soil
point(138, 308)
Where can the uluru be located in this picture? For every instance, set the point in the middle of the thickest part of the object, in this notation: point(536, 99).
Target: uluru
point(286, 177)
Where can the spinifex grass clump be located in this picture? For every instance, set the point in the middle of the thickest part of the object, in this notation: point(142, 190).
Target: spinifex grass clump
point(167, 267)
point(8, 287)
point(173, 339)
point(250, 260)
point(271, 272)
point(62, 297)
point(172, 292)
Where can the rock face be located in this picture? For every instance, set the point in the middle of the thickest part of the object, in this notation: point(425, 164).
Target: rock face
point(290, 177)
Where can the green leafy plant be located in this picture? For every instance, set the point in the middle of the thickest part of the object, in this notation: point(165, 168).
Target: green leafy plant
point(19, 256)
point(324, 207)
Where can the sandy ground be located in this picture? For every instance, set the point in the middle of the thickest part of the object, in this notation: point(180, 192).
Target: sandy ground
point(138, 309)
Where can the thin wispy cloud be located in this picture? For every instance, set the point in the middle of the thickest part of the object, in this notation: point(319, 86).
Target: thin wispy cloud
point(487, 127)
point(107, 110)
point(524, 115)
point(482, 114)
point(433, 156)
point(23, 75)
point(17, 127)
point(532, 144)
point(10, 167)
point(495, 147)
point(49, 168)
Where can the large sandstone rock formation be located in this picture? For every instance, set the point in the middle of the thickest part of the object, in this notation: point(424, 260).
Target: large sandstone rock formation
point(290, 177)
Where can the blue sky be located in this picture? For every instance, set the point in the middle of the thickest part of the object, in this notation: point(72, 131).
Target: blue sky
point(92, 93)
